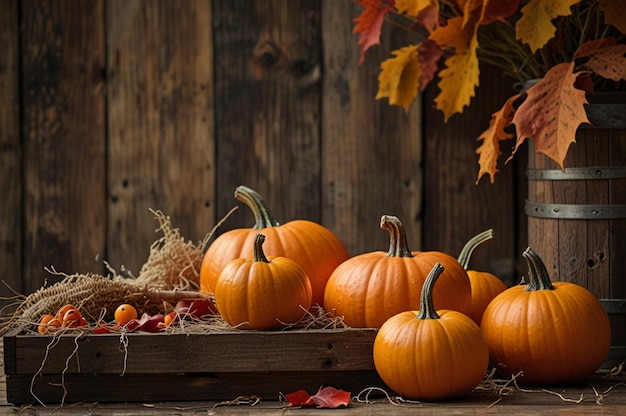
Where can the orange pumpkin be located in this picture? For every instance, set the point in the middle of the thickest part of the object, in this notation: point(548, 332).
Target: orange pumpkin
point(553, 333)
point(315, 248)
point(485, 285)
point(370, 288)
point(262, 294)
point(430, 355)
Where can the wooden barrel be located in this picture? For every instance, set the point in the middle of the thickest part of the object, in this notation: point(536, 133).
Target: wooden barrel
point(577, 216)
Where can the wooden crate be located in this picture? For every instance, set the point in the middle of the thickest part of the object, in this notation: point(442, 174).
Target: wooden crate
point(178, 366)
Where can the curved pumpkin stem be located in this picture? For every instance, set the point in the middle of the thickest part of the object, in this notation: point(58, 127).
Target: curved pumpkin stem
point(479, 240)
point(398, 244)
point(427, 306)
point(538, 277)
point(259, 255)
point(262, 214)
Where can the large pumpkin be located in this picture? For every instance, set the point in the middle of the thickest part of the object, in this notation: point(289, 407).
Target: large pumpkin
point(370, 288)
point(315, 248)
point(430, 354)
point(485, 285)
point(553, 333)
point(262, 293)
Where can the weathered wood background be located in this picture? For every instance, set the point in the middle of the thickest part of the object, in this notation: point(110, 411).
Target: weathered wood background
point(110, 108)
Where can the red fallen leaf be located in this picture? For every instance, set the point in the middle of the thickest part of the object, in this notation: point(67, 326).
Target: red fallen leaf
point(299, 398)
point(326, 397)
point(331, 398)
point(146, 323)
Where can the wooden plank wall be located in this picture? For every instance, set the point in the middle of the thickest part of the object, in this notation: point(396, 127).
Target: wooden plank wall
point(111, 108)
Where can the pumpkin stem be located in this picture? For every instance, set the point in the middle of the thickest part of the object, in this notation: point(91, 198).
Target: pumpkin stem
point(398, 244)
point(538, 277)
point(479, 240)
point(427, 306)
point(259, 255)
point(262, 214)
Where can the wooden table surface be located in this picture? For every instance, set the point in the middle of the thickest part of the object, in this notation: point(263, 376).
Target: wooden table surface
point(602, 395)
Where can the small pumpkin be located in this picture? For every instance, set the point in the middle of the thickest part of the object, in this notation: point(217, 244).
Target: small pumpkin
point(370, 288)
point(485, 285)
point(430, 354)
point(314, 247)
point(262, 294)
point(554, 333)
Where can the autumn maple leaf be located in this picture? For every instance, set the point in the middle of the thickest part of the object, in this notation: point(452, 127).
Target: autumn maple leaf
point(489, 151)
point(551, 113)
point(535, 27)
point(604, 57)
point(369, 24)
point(400, 76)
point(425, 11)
point(326, 397)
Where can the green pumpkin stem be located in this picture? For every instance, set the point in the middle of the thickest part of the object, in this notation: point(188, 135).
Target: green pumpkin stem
point(262, 213)
point(538, 277)
point(259, 255)
point(398, 244)
point(479, 240)
point(427, 306)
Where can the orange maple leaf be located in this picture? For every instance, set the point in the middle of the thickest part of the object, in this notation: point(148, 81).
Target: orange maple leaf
point(369, 24)
point(399, 77)
point(415, 7)
point(605, 58)
point(453, 35)
point(489, 151)
point(614, 13)
point(535, 27)
point(551, 113)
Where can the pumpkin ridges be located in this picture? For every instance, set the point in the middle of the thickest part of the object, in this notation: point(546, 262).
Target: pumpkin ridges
point(264, 292)
point(424, 354)
point(296, 240)
point(557, 335)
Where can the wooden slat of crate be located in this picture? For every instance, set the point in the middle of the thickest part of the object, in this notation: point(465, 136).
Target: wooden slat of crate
point(217, 366)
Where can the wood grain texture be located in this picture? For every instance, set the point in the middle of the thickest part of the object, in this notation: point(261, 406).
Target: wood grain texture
point(247, 351)
point(10, 149)
point(160, 124)
point(456, 208)
point(267, 106)
point(372, 152)
point(63, 98)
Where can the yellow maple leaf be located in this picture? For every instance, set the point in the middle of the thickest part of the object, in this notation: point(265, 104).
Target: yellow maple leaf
point(399, 77)
point(414, 7)
point(551, 113)
point(535, 27)
point(489, 151)
point(459, 80)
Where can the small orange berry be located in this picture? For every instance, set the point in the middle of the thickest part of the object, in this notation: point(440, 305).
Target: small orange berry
point(73, 318)
point(63, 310)
point(125, 313)
point(43, 323)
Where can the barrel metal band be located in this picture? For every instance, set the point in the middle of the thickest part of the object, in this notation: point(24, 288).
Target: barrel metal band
point(572, 174)
point(614, 306)
point(573, 211)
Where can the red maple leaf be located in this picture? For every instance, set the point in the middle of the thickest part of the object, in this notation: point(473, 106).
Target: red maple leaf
point(326, 397)
point(369, 23)
point(429, 55)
